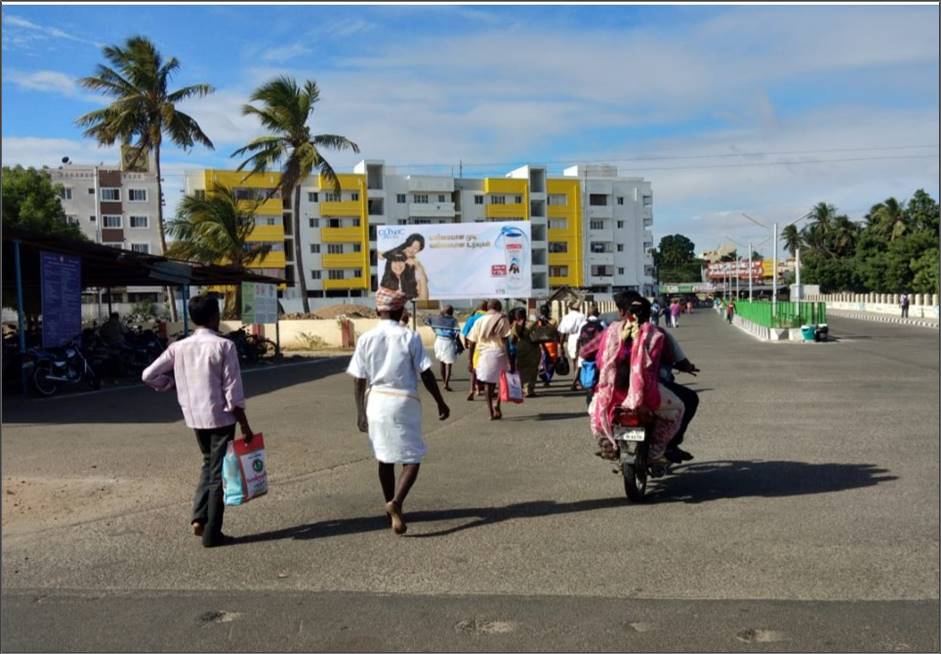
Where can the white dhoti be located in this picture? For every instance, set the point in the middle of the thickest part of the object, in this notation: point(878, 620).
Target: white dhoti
point(490, 364)
point(571, 346)
point(395, 426)
point(445, 350)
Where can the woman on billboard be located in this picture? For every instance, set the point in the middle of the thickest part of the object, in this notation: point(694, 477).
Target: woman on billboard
point(403, 271)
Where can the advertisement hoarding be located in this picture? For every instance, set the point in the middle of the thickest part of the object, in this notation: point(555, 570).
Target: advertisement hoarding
point(735, 269)
point(456, 261)
point(61, 278)
point(259, 303)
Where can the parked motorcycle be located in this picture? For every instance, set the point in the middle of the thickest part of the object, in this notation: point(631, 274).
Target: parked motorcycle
point(61, 366)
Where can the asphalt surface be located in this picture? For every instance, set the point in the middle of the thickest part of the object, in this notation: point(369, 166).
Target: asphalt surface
point(807, 522)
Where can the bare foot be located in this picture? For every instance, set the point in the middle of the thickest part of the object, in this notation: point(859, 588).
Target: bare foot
point(398, 522)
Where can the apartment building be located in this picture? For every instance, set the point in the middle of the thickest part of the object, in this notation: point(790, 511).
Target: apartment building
point(115, 205)
point(604, 248)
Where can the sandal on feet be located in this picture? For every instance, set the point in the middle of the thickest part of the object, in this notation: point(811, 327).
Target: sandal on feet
point(198, 528)
point(398, 522)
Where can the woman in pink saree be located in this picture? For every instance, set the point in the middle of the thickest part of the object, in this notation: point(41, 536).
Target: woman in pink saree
point(628, 359)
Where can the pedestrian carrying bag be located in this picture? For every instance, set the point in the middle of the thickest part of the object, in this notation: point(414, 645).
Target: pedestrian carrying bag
point(562, 367)
point(511, 387)
point(587, 375)
point(244, 473)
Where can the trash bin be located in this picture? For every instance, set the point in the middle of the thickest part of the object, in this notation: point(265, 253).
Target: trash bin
point(808, 332)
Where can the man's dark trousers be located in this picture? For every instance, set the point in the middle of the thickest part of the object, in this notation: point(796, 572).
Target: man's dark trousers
point(690, 401)
point(208, 506)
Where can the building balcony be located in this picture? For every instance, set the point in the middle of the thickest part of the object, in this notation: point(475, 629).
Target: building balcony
point(606, 211)
point(507, 185)
point(561, 211)
point(342, 234)
point(267, 233)
point(431, 210)
point(506, 211)
point(342, 209)
point(353, 283)
point(345, 260)
point(270, 260)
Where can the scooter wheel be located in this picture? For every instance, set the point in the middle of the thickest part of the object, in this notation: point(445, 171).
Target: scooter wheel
point(635, 481)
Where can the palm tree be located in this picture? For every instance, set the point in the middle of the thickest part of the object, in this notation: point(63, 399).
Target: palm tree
point(817, 235)
point(792, 239)
point(845, 236)
point(215, 229)
point(284, 111)
point(888, 219)
point(143, 110)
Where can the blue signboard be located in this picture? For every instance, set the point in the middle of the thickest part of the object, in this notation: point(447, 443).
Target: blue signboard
point(61, 298)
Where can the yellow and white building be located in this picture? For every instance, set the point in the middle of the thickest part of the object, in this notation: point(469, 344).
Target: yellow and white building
point(590, 228)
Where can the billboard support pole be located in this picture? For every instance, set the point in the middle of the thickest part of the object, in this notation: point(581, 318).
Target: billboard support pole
point(414, 315)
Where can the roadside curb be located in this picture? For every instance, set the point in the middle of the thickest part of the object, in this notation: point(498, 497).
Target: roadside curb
point(874, 317)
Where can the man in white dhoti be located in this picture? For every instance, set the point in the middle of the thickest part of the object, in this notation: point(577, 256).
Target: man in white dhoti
point(389, 360)
point(488, 338)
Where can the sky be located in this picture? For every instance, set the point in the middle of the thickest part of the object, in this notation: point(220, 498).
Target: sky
point(725, 109)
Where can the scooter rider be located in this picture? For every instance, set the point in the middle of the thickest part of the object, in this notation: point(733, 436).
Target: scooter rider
point(675, 358)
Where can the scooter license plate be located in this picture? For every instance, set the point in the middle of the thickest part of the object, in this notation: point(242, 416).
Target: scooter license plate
point(633, 434)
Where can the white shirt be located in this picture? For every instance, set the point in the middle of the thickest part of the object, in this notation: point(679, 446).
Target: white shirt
point(572, 323)
point(390, 356)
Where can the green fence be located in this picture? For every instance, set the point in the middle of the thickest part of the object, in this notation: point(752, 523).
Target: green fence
point(811, 313)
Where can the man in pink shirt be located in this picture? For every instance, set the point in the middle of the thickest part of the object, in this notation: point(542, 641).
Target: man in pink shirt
point(204, 367)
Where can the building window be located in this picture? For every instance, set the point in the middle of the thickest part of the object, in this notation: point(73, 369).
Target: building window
point(335, 274)
point(596, 224)
point(601, 271)
point(137, 195)
point(620, 247)
point(199, 194)
point(264, 220)
point(401, 198)
point(599, 248)
point(334, 222)
point(498, 199)
point(620, 200)
point(557, 200)
point(355, 222)
point(442, 197)
point(111, 194)
point(313, 196)
point(72, 220)
point(558, 246)
point(519, 199)
point(648, 200)
point(357, 247)
point(315, 274)
point(143, 248)
point(620, 271)
point(91, 219)
point(315, 248)
point(66, 193)
point(140, 222)
point(314, 222)
point(334, 248)
point(421, 198)
point(357, 273)
point(558, 271)
point(91, 191)
point(330, 196)
point(111, 222)
point(620, 224)
point(558, 223)
point(598, 200)
point(372, 232)
point(403, 221)
point(478, 199)
point(354, 196)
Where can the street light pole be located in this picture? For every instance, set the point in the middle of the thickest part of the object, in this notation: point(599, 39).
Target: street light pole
point(774, 274)
point(749, 273)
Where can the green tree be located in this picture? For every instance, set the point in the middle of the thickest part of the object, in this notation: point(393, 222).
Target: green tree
point(792, 239)
point(143, 109)
point(925, 272)
point(215, 229)
point(676, 249)
point(32, 202)
point(284, 112)
point(922, 211)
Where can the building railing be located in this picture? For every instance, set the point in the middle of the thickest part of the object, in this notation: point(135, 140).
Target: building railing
point(789, 314)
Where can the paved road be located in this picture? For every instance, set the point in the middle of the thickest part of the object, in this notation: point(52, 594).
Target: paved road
point(808, 521)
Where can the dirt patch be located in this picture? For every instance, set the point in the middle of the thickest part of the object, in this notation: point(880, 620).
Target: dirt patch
point(34, 502)
point(334, 311)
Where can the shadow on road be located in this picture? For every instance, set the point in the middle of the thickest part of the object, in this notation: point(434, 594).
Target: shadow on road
point(140, 404)
point(699, 482)
point(722, 480)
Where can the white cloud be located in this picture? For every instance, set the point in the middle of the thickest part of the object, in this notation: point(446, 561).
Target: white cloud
point(25, 31)
point(38, 152)
point(51, 81)
point(285, 53)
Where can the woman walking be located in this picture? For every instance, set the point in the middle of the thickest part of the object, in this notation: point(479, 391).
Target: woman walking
point(675, 313)
point(488, 339)
point(525, 354)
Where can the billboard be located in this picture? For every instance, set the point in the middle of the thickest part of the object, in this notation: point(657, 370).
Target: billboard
point(734, 269)
point(450, 261)
point(259, 303)
point(61, 283)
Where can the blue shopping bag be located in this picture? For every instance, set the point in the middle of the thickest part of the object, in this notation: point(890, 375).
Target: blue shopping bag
point(588, 375)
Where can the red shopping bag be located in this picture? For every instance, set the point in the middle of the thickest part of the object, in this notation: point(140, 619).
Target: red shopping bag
point(511, 387)
point(244, 473)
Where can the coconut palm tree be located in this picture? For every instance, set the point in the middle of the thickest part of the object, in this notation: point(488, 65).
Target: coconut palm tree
point(215, 229)
point(143, 110)
point(817, 235)
point(845, 235)
point(284, 111)
point(792, 238)
point(888, 219)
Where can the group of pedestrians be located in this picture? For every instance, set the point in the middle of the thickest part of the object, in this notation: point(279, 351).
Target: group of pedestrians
point(388, 363)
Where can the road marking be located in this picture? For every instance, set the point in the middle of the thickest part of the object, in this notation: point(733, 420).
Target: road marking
point(761, 636)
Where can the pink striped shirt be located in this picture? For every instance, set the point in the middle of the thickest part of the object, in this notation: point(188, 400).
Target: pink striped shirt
point(204, 367)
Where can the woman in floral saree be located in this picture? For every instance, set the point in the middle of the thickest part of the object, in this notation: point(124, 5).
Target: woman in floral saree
point(628, 360)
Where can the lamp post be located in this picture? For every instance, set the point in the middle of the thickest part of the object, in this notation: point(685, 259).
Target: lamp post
point(774, 262)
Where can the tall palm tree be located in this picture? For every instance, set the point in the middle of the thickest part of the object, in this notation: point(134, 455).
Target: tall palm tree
point(792, 238)
point(284, 111)
point(143, 109)
point(818, 233)
point(215, 229)
point(845, 236)
point(888, 219)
